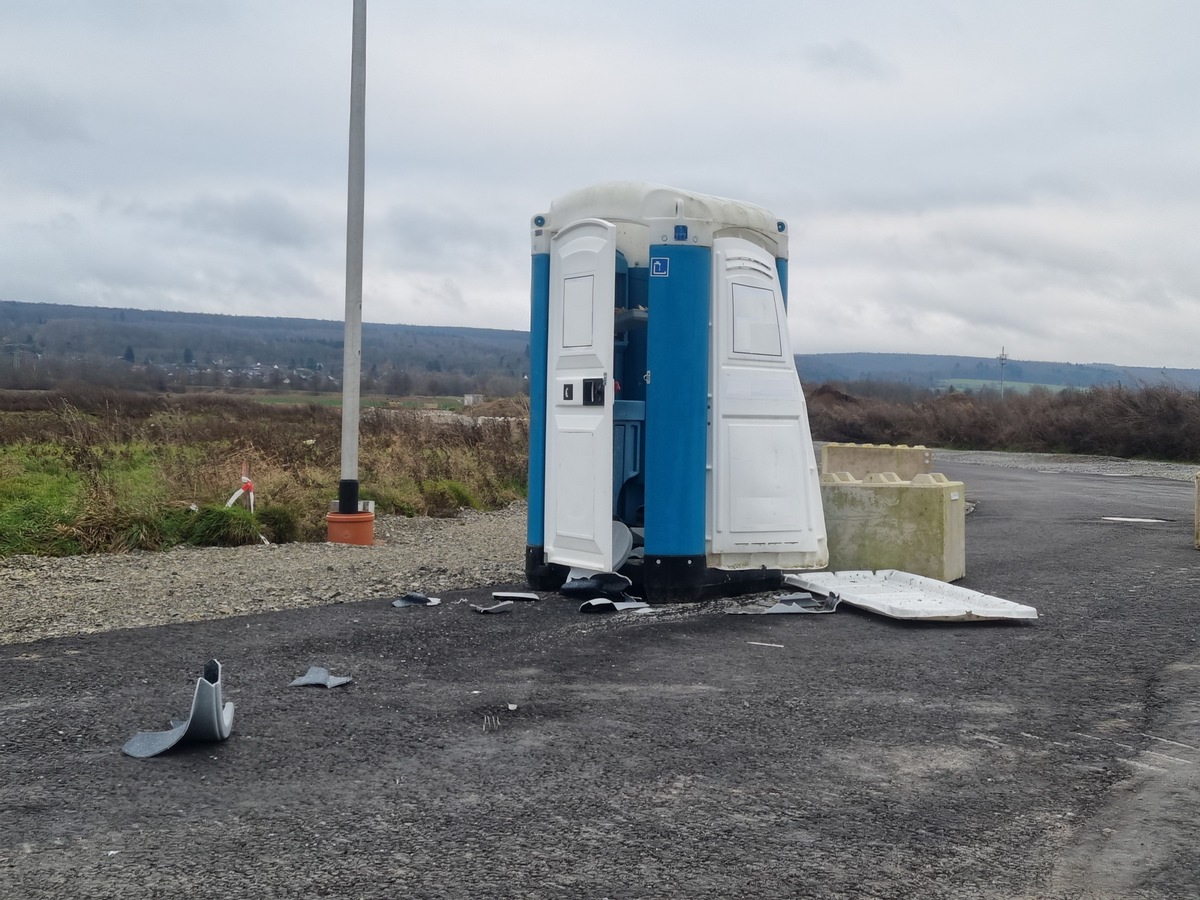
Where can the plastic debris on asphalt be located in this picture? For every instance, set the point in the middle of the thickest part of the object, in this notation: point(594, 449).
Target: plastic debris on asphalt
point(503, 606)
point(605, 605)
point(321, 677)
point(412, 598)
point(210, 719)
point(515, 595)
point(602, 584)
point(790, 603)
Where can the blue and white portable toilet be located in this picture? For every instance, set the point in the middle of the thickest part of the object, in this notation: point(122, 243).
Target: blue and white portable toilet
point(664, 397)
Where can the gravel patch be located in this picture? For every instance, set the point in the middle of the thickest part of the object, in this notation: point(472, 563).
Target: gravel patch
point(52, 597)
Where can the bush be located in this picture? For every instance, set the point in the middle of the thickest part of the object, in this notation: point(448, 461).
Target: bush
point(223, 526)
point(1158, 422)
point(445, 497)
point(279, 524)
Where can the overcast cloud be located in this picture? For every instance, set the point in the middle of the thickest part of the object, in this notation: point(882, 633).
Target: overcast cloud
point(958, 176)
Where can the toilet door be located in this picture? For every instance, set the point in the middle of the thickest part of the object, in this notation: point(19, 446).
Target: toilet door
point(764, 491)
point(579, 396)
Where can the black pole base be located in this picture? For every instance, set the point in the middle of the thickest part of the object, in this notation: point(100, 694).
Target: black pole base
point(348, 496)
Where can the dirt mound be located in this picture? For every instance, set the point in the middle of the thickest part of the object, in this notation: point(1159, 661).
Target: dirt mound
point(828, 395)
point(502, 407)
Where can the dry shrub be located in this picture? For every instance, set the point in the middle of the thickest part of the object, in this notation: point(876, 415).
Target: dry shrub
point(1150, 422)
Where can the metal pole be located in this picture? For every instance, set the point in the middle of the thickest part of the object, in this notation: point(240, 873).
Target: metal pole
point(352, 351)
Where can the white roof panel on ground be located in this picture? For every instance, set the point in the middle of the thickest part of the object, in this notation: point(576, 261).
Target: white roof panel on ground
point(902, 595)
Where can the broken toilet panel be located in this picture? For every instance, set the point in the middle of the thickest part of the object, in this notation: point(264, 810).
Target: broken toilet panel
point(903, 595)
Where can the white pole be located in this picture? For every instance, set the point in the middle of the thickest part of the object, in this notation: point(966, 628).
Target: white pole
point(352, 351)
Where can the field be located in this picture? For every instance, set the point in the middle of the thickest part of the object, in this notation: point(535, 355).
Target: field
point(103, 471)
point(367, 401)
point(1009, 387)
point(97, 470)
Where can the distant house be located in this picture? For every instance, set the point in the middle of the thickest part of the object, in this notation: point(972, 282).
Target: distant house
point(472, 399)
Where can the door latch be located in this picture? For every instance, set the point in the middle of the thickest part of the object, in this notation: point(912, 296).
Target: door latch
point(593, 391)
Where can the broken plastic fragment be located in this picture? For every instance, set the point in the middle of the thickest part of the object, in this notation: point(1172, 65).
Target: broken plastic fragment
point(602, 584)
point(903, 595)
point(503, 606)
point(318, 675)
point(514, 595)
point(604, 604)
point(412, 598)
point(790, 603)
point(210, 719)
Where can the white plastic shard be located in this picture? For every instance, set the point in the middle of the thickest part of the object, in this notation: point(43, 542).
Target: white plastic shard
point(502, 606)
point(515, 595)
point(902, 595)
point(320, 676)
point(210, 719)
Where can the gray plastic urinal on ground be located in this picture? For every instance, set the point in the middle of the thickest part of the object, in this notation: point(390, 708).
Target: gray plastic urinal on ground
point(211, 719)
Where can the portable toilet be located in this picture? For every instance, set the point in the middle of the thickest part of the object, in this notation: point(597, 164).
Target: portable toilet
point(666, 411)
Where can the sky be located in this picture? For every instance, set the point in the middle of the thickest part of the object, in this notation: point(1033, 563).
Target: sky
point(958, 177)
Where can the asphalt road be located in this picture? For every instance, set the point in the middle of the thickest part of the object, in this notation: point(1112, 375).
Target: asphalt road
point(679, 755)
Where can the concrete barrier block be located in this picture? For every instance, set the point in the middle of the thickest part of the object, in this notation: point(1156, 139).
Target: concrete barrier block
point(915, 525)
point(861, 460)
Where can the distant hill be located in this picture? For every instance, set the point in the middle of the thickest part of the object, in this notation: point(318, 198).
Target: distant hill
point(242, 347)
point(931, 371)
point(200, 349)
point(167, 337)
